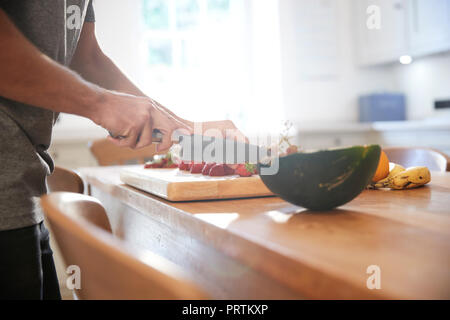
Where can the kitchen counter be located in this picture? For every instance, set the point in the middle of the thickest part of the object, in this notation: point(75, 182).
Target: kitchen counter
point(267, 248)
point(434, 133)
point(381, 126)
point(73, 129)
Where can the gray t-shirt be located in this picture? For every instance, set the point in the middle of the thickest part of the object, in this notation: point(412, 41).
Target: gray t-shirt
point(53, 26)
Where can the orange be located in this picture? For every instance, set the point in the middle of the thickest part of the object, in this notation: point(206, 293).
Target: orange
point(382, 169)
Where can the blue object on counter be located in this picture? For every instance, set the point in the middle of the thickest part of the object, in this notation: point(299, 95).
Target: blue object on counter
point(382, 107)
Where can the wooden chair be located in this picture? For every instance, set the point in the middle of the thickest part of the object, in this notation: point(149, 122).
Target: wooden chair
point(108, 154)
point(410, 156)
point(65, 180)
point(110, 269)
point(69, 181)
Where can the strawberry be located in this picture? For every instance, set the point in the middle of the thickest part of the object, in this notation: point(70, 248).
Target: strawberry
point(217, 171)
point(207, 168)
point(246, 170)
point(169, 163)
point(197, 167)
point(228, 170)
point(162, 161)
point(183, 166)
point(186, 166)
point(154, 164)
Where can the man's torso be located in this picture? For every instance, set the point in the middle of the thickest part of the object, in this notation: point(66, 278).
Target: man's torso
point(54, 27)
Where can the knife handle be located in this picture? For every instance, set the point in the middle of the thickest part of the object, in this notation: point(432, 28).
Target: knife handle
point(157, 136)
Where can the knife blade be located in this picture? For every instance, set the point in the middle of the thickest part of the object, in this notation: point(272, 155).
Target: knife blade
point(198, 148)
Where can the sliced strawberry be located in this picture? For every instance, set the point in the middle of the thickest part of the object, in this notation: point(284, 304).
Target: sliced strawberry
point(228, 170)
point(217, 171)
point(246, 170)
point(153, 165)
point(197, 168)
point(207, 167)
point(243, 172)
point(189, 166)
point(161, 161)
point(183, 166)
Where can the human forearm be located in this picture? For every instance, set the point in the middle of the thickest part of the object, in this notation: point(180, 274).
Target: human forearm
point(99, 69)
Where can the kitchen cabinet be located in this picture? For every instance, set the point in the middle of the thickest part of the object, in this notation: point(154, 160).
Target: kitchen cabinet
point(389, 41)
point(407, 27)
point(429, 26)
point(391, 133)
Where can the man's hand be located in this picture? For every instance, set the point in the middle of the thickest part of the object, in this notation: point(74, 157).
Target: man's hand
point(134, 119)
point(224, 129)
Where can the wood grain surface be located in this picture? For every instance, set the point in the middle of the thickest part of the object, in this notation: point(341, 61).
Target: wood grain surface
point(176, 185)
point(268, 248)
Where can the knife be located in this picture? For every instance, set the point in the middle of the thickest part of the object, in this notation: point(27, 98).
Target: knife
point(198, 148)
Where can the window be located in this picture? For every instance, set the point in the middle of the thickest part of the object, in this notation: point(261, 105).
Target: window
point(195, 58)
point(206, 59)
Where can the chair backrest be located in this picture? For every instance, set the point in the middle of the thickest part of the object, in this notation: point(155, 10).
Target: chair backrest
point(65, 180)
point(110, 269)
point(107, 153)
point(410, 157)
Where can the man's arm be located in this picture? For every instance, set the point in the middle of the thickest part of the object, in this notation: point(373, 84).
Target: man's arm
point(30, 77)
point(94, 66)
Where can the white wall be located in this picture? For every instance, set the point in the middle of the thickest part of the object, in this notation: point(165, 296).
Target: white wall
point(333, 98)
point(424, 81)
point(118, 31)
point(327, 98)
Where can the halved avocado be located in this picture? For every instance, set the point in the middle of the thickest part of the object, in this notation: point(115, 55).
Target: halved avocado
point(325, 179)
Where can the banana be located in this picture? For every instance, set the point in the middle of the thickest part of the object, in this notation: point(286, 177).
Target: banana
point(410, 178)
point(395, 169)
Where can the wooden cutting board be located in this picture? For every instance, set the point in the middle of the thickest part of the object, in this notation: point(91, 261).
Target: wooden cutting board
point(176, 185)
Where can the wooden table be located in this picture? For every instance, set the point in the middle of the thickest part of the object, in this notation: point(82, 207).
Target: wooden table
point(268, 248)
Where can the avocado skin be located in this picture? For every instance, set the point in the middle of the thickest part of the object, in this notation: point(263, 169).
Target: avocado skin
point(325, 179)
